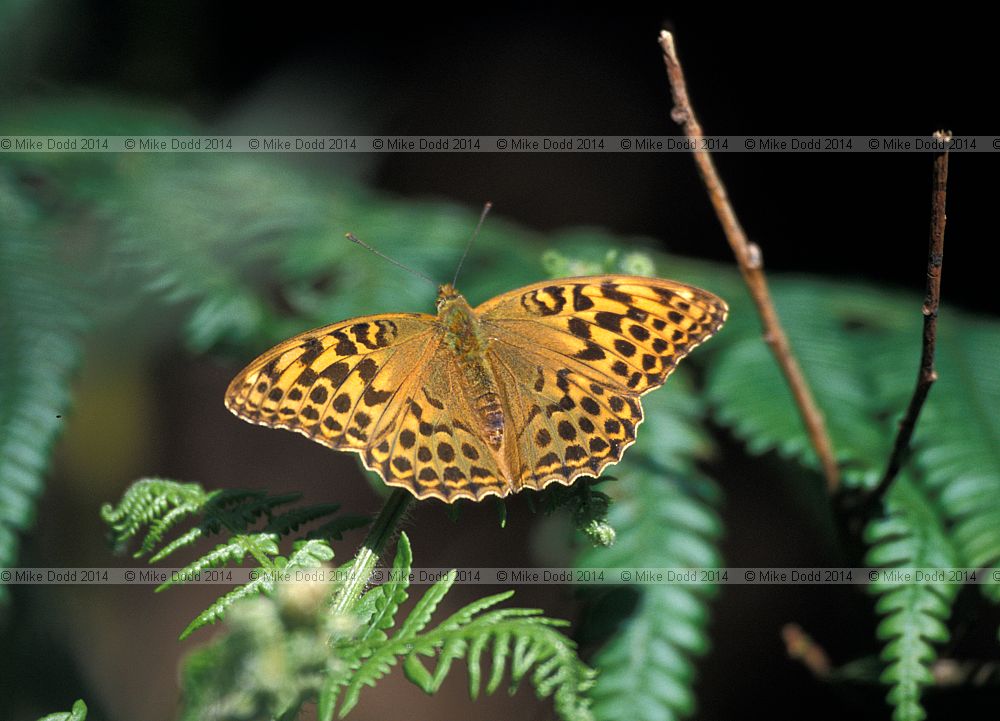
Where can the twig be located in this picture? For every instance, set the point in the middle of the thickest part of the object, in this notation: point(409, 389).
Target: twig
point(932, 298)
point(751, 263)
point(801, 647)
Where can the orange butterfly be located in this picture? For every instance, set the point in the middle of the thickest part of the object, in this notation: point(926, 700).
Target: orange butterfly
point(536, 386)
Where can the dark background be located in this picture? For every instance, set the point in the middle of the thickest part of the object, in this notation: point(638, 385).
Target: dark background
point(431, 71)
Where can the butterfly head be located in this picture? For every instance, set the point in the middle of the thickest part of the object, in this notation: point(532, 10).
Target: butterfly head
point(446, 294)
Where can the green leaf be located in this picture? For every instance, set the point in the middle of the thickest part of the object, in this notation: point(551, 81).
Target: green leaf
point(539, 650)
point(159, 506)
point(957, 443)
point(41, 322)
point(840, 335)
point(912, 535)
point(664, 516)
point(78, 713)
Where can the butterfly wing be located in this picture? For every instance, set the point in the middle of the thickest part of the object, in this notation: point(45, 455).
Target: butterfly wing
point(383, 386)
point(574, 355)
point(427, 441)
point(333, 384)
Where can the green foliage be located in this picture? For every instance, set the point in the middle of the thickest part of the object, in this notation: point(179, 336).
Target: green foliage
point(664, 516)
point(833, 330)
point(77, 713)
point(160, 506)
point(587, 506)
point(860, 348)
point(910, 536)
point(273, 658)
point(521, 639)
point(284, 650)
point(40, 339)
point(957, 444)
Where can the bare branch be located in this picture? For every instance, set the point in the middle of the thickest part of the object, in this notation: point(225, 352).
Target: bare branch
point(932, 298)
point(750, 260)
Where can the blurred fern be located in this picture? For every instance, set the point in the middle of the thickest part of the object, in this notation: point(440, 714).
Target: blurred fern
point(664, 516)
point(911, 536)
point(40, 346)
point(957, 443)
point(860, 348)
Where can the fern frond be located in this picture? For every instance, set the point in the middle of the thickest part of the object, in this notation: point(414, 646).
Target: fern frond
point(157, 503)
point(957, 443)
point(217, 225)
point(522, 640)
point(840, 335)
point(160, 506)
point(307, 554)
point(41, 324)
point(260, 546)
point(912, 535)
point(664, 516)
point(291, 520)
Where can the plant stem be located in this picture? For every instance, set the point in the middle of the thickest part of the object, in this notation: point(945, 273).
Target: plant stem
point(932, 299)
point(383, 529)
point(751, 263)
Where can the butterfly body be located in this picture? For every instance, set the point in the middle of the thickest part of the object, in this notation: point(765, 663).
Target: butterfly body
point(535, 386)
point(464, 334)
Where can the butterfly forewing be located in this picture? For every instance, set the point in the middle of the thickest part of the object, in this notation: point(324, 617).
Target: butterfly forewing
point(629, 331)
point(333, 383)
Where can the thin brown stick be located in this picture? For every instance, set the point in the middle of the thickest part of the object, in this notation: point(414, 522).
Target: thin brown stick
point(751, 263)
point(932, 299)
point(800, 646)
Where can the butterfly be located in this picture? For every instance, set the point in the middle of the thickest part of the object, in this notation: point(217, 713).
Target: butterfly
point(538, 385)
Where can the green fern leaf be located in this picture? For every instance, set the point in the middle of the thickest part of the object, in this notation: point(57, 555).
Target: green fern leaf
point(957, 443)
point(160, 505)
point(77, 713)
point(154, 502)
point(41, 324)
point(912, 535)
point(833, 330)
point(291, 520)
point(539, 650)
point(257, 545)
point(307, 554)
point(664, 517)
point(389, 596)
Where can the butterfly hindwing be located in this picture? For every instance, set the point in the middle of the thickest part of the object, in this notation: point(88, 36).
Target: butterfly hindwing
point(428, 441)
point(563, 424)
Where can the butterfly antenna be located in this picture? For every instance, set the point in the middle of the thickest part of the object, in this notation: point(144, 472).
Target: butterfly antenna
point(354, 239)
point(475, 234)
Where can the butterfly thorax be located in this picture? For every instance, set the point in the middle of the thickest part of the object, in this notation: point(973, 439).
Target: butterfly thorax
point(464, 334)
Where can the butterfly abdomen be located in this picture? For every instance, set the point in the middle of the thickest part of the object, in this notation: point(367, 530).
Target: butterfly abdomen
point(490, 414)
point(464, 334)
